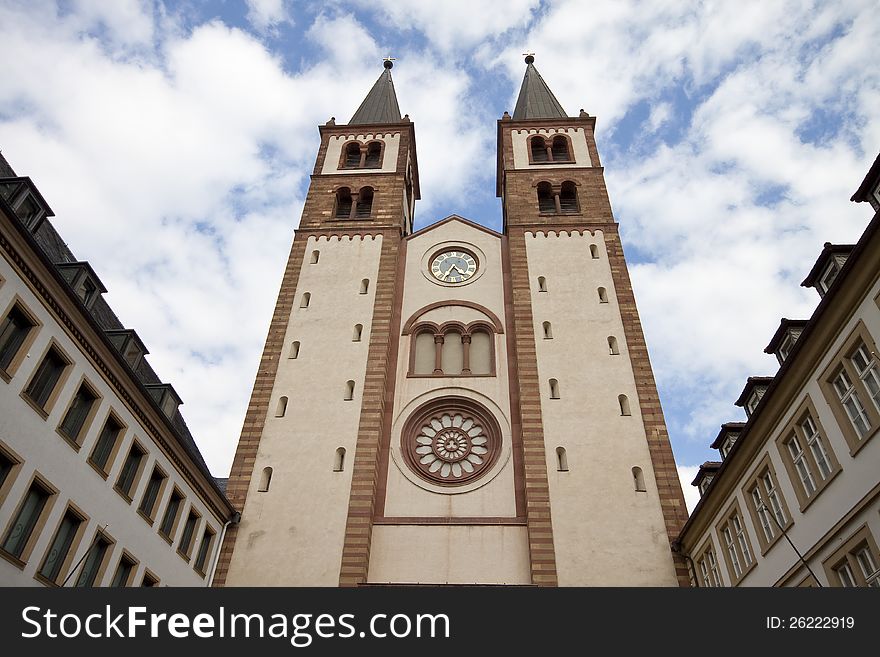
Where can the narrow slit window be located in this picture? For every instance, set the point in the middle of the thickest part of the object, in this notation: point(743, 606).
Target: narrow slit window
point(638, 480)
point(613, 349)
point(603, 295)
point(282, 407)
point(306, 300)
point(554, 389)
point(548, 331)
point(315, 256)
point(542, 284)
point(294, 349)
point(265, 480)
point(339, 460)
point(623, 402)
point(365, 286)
point(349, 390)
point(561, 460)
point(358, 331)
point(594, 251)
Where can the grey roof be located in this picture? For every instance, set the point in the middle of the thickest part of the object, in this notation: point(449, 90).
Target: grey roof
point(536, 101)
point(380, 105)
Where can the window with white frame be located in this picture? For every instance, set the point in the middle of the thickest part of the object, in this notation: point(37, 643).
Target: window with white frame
point(869, 372)
point(849, 398)
point(855, 562)
point(708, 565)
point(737, 548)
point(766, 505)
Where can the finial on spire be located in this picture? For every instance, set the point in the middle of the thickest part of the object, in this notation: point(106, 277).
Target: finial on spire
point(388, 62)
point(530, 57)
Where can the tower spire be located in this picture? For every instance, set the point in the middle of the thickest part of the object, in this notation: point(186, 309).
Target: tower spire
point(535, 100)
point(380, 105)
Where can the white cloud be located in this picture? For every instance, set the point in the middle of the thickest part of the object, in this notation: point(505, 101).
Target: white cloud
point(266, 15)
point(686, 474)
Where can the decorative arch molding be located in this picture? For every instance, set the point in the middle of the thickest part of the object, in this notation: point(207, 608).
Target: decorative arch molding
point(469, 354)
point(496, 324)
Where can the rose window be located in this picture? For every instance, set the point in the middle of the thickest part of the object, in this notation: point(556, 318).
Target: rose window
point(450, 447)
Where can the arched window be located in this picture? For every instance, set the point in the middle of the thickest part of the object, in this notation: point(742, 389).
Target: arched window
point(294, 349)
point(480, 356)
point(374, 155)
point(315, 255)
point(624, 404)
point(352, 155)
point(612, 346)
point(364, 203)
point(542, 284)
point(339, 460)
point(452, 356)
point(560, 149)
point(639, 480)
point(349, 390)
point(539, 149)
point(548, 331)
point(425, 353)
point(568, 201)
point(365, 286)
point(603, 295)
point(546, 202)
point(561, 460)
point(281, 409)
point(554, 389)
point(356, 334)
point(265, 480)
point(306, 300)
point(343, 203)
point(594, 251)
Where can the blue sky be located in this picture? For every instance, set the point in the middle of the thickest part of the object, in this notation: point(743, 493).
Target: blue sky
point(174, 142)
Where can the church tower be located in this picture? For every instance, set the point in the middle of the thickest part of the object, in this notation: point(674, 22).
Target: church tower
point(455, 405)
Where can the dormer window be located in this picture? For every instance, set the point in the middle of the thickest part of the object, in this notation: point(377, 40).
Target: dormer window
point(83, 280)
point(165, 396)
point(704, 484)
point(129, 345)
point(828, 276)
point(26, 201)
point(705, 475)
point(827, 267)
point(727, 444)
point(754, 399)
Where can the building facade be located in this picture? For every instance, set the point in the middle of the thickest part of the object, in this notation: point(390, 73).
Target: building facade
point(101, 483)
point(795, 500)
point(455, 405)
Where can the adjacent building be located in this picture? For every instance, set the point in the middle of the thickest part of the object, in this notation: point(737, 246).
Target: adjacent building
point(455, 405)
point(795, 500)
point(101, 483)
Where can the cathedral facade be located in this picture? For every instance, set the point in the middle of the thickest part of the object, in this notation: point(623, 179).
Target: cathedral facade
point(455, 405)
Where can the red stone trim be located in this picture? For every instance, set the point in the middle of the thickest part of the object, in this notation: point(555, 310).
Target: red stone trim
point(662, 460)
point(378, 399)
point(526, 415)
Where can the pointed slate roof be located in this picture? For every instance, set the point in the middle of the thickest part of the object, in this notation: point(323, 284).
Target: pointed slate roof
point(536, 101)
point(380, 105)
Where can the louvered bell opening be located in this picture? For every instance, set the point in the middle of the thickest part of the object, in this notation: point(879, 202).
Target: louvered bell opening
point(352, 156)
point(568, 199)
point(373, 154)
point(365, 204)
point(343, 204)
point(560, 150)
point(545, 199)
point(539, 150)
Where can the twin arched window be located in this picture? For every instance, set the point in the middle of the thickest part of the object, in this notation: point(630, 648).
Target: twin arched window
point(354, 205)
point(452, 350)
point(561, 199)
point(362, 156)
point(543, 150)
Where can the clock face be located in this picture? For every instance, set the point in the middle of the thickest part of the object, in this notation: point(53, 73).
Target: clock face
point(453, 266)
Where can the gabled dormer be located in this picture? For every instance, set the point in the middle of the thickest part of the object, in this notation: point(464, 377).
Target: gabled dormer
point(705, 475)
point(827, 267)
point(727, 437)
point(752, 394)
point(26, 201)
point(165, 396)
point(783, 340)
point(129, 345)
point(83, 280)
point(869, 190)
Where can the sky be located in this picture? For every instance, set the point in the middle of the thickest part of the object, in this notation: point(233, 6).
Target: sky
point(174, 141)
